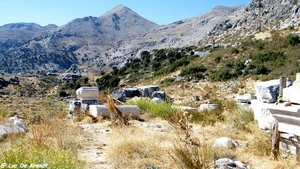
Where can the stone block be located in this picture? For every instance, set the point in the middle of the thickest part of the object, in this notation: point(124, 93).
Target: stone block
point(127, 110)
point(88, 93)
point(262, 115)
point(245, 98)
point(267, 91)
point(292, 93)
point(208, 106)
point(147, 91)
point(159, 94)
point(119, 95)
point(131, 92)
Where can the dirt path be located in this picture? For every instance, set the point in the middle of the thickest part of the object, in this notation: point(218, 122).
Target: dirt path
point(98, 137)
point(96, 143)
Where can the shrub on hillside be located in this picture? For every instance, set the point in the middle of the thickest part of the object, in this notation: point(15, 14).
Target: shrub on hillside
point(291, 40)
point(107, 81)
point(194, 71)
point(222, 74)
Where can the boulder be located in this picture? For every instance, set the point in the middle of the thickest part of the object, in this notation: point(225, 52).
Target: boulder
point(245, 98)
point(3, 83)
point(147, 91)
point(14, 80)
point(119, 95)
point(131, 92)
point(156, 100)
point(226, 163)
point(225, 142)
point(268, 91)
point(159, 94)
point(262, 115)
point(13, 125)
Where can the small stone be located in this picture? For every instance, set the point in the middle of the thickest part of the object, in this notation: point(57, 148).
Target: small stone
point(286, 104)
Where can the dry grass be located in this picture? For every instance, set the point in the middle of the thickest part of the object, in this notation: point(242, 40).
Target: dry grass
point(49, 139)
point(138, 148)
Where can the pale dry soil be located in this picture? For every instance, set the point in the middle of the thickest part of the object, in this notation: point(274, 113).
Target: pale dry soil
point(96, 142)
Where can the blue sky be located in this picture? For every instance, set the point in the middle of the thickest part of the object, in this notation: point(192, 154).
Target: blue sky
point(60, 12)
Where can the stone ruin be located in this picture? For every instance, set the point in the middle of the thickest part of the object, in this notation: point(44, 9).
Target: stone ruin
point(144, 91)
point(88, 101)
point(278, 105)
point(86, 96)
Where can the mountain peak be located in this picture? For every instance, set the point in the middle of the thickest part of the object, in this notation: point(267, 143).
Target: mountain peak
point(118, 9)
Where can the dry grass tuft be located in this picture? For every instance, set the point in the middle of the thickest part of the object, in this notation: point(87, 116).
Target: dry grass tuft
point(191, 156)
point(116, 115)
point(136, 148)
point(260, 143)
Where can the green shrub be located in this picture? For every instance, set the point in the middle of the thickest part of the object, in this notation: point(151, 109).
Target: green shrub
point(108, 81)
point(193, 71)
point(222, 74)
point(162, 109)
point(291, 40)
point(258, 44)
point(234, 51)
point(62, 93)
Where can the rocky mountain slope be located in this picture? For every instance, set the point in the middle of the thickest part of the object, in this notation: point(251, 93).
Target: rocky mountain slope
point(97, 43)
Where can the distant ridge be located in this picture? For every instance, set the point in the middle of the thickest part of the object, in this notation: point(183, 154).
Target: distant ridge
point(98, 43)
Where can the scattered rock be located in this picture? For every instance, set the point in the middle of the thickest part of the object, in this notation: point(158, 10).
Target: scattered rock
point(226, 163)
point(159, 94)
point(287, 104)
point(131, 92)
point(225, 142)
point(119, 95)
point(147, 91)
point(245, 98)
point(13, 125)
point(208, 106)
point(186, 108)
point(156, 100)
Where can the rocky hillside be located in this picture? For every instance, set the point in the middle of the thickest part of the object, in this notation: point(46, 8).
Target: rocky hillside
point(110, 40)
